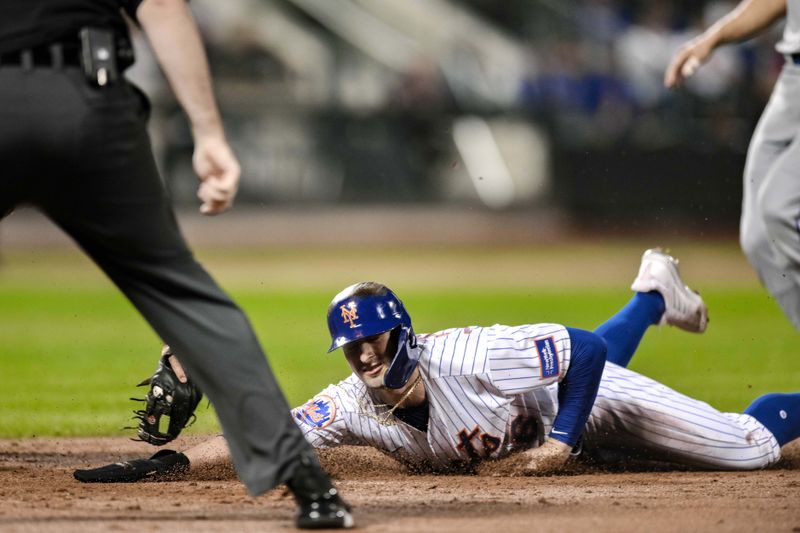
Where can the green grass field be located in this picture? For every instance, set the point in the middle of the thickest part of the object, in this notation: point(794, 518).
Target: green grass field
point(73, 348)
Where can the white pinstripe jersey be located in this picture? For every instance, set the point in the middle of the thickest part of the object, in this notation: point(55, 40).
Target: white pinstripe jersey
point(490, 390)
point(493, 390)
point(635, 416)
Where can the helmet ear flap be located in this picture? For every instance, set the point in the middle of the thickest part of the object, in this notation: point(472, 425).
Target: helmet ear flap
point(405, 359)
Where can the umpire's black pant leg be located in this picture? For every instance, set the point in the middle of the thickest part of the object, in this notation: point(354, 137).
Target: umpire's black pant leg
point(17, 140)
point(116, 207)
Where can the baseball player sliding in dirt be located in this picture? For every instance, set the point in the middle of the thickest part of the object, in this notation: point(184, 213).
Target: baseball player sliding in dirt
point(770, 223)
point(514, 400)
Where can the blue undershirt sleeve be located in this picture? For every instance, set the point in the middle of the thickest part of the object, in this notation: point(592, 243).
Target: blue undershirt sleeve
point(578, 390)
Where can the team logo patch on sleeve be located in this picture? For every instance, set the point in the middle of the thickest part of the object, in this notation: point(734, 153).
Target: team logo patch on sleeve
point(318, 412)
point(548, 355)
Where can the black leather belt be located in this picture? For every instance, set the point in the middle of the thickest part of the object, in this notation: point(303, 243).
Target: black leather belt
point(55, 55)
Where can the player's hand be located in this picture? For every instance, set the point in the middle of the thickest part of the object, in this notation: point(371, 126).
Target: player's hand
point(548, 458)
point(687, 60)
point(218, 170)
point(180, 373)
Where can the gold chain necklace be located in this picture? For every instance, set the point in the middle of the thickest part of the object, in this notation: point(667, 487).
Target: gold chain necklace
point(388, 419)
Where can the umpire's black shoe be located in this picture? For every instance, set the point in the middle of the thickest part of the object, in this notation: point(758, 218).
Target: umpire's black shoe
point(321, 507)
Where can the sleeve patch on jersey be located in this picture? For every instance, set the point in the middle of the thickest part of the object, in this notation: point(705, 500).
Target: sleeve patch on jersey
point(318, 412)
point(548, 355)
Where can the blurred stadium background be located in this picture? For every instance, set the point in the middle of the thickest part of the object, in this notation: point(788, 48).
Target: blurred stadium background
point(553, 111)
point(490, 104)
point(492, 160)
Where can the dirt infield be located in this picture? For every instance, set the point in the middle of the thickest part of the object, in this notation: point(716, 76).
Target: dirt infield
point(38, 493)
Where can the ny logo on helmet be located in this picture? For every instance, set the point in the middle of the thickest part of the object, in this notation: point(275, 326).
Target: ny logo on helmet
point(349, 314)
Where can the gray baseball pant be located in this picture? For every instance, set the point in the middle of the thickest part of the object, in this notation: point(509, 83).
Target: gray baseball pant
point(82, 155)
point(770, 224)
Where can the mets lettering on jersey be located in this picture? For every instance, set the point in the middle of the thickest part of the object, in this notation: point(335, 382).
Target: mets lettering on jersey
point(489, 391)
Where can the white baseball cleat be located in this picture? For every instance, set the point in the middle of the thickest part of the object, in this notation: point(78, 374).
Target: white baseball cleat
point(684, 307)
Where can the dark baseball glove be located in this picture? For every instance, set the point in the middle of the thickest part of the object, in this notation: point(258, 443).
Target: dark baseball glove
point(165, 463)
point(168, 397)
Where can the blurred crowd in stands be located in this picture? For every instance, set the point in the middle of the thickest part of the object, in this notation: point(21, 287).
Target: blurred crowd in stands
point(597, 70)
point(321, 93)
point(606, 71)
point(592, 68)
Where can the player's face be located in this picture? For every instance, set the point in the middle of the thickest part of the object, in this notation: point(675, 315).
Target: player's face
point(369, 359)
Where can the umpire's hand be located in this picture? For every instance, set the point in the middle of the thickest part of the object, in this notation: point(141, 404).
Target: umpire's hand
point(218, 170)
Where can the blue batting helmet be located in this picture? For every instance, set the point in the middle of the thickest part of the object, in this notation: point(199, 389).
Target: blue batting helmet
point(366, 309)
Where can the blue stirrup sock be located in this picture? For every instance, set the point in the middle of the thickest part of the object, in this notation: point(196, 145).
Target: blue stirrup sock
point(623, 331)
point(780, 413)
